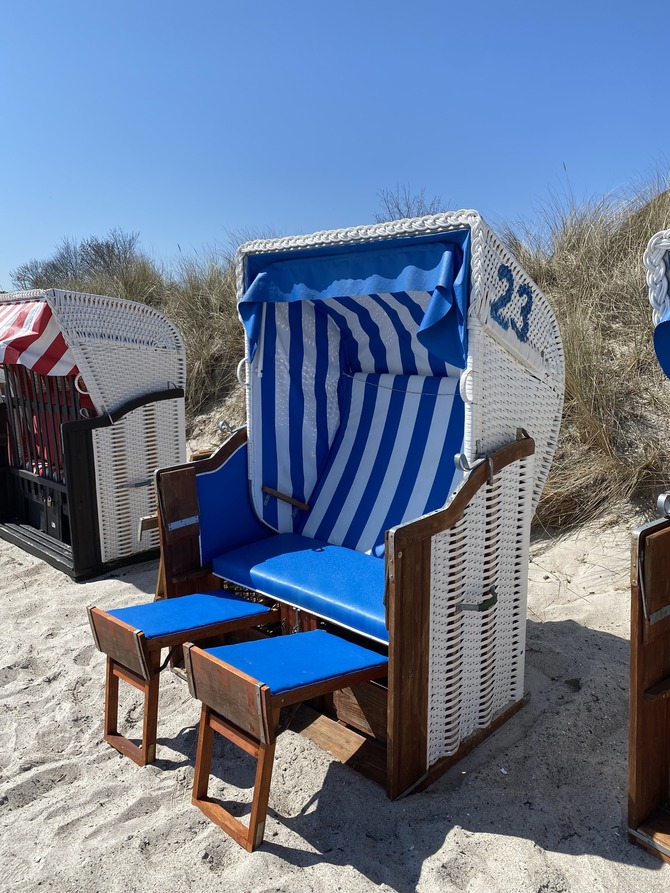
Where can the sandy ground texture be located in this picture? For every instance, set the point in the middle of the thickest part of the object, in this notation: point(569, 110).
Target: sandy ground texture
point(539, 807)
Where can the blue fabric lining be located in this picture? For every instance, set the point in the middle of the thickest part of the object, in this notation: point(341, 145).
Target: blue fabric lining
point(284, 663)
point(333, 582)
point(189, 612)
point(227, 519)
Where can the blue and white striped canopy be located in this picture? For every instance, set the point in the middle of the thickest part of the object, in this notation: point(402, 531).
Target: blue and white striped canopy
point(355, 355)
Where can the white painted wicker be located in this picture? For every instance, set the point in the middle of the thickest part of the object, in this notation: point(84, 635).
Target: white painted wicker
point(123, 349)
point(477, 657)
point(126, 456)
point(656, 262)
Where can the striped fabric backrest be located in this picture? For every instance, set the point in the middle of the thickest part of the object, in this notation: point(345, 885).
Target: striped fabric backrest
point(392, 459)
point(301, 384)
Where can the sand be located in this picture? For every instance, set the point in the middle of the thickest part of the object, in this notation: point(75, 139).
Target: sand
point(539, 807)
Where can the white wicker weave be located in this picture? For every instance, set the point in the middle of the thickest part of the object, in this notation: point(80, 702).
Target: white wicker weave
point(123, 349)
point(126, 455)
point(477, 658)
point(656, 262)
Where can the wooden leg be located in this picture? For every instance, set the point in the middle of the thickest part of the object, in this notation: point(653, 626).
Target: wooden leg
point(259, 804)
point(111, 699)
point(150, 722)
point(146, 753)
point(249, 837)
point(203, 757)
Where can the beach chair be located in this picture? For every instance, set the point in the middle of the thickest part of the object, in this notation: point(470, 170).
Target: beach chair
point(93, 403)
point(649, 729)
point(404, 390)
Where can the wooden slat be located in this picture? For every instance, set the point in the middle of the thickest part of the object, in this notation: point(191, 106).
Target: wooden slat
point(179, 502)
point(363, 754)
point(656, 574)
point(119, 641)
point(285, 498)
point(364, 707)
point(234, 695)
point(409, 623)
point(654, 834)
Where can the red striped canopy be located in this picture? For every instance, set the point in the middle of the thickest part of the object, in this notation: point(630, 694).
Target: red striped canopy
point(31, 337)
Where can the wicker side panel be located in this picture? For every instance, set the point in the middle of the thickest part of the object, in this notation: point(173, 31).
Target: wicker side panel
point(477, 656)
point(126, 455)
point(515, 375)
point(503, 395)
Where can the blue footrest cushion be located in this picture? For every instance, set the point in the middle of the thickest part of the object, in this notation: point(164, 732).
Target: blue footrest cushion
point(189, 612)
point(285, 663)
point(333, 582)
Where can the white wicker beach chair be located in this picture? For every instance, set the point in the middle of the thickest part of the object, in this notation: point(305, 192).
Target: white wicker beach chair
point(93, 405)
point(404, 395)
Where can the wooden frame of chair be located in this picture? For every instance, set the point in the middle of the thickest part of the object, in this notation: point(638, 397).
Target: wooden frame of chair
point(135, 659)
point(245, 712)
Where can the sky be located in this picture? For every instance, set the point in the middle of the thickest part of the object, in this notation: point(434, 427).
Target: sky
point(191, 123)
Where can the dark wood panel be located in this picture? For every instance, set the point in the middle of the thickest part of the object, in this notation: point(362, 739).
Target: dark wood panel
point(649, 726)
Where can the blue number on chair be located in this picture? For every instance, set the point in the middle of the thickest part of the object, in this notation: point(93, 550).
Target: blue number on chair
point(522, 331)
point(504, 274)
point(524, 291)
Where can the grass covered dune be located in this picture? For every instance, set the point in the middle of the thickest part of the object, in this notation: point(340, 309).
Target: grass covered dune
point(613, 448)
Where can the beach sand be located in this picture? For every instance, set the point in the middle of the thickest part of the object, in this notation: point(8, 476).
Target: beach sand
point(540, 806)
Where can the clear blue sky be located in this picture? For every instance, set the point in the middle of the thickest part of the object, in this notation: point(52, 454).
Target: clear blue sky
point(186, 121)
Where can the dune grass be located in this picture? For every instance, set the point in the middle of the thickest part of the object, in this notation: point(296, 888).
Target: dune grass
point(614, 446)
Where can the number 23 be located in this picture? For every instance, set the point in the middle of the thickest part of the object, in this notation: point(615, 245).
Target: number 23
point(505, 275)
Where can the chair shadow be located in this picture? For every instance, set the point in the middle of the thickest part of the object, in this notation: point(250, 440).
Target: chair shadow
point(555, 775)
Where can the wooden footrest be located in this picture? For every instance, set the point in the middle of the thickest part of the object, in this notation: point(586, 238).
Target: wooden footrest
point(133, 637)
point(243, 689)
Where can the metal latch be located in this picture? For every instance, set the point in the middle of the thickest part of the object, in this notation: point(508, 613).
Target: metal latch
point(485, 605)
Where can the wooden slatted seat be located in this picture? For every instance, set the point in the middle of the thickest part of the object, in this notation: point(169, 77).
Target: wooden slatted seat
point(133, 638)
point(243, 689)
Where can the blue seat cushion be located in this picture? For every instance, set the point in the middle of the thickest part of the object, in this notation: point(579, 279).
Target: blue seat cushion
point(284, 663)
point(189, 612)
point(338, 584)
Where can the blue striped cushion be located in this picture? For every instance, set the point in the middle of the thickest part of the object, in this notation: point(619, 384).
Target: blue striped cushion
point(306, 351)
point(392, 459)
